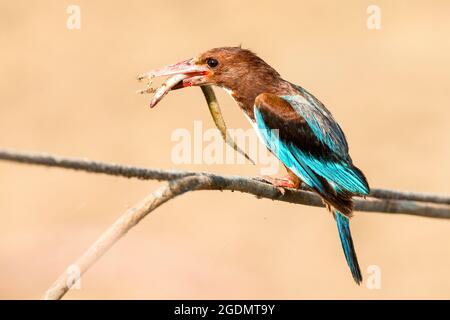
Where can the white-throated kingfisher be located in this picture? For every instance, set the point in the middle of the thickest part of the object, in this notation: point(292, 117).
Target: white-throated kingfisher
point(293, 124)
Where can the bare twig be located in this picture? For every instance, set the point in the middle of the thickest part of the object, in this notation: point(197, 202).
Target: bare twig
point(120, 227)
point(413, 196)
point(244, 184)
point(183, 181)
point(388, 201)
point(213, 182)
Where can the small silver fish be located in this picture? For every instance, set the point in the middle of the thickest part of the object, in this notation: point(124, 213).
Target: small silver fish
point(160, 92)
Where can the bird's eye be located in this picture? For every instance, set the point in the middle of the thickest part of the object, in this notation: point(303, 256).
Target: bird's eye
point(212, 62)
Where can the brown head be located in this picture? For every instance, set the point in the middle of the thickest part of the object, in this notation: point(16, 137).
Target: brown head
point(238, 70)
point(234, 67)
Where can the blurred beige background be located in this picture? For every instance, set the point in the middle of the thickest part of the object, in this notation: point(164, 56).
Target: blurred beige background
point(72, 93)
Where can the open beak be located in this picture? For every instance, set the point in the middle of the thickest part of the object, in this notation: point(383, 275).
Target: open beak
point(182, 74)
point(194, 74)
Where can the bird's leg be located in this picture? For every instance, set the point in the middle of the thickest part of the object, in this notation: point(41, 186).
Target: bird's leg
point(284, 182)
point(288, 181)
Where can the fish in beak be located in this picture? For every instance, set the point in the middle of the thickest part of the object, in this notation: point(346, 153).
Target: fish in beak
point(182, 74)
point(189, 73)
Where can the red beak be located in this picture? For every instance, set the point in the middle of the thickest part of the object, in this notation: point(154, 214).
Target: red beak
point(186, 67)
point(183, 74)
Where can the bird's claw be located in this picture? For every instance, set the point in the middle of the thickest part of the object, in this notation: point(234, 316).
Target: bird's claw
point(280, 183)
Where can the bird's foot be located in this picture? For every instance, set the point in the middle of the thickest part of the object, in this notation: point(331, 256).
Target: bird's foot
point(280, 183)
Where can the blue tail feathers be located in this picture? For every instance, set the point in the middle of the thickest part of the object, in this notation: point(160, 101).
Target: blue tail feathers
point(347, 244)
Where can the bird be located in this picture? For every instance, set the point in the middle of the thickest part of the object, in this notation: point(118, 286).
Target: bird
point(292, 123)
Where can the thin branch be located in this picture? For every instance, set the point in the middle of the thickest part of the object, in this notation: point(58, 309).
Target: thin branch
point(203, 182)
point(413, 196)
point(119, 228)
point(386, 201)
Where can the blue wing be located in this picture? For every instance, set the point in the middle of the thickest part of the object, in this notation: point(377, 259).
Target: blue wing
point(309, 142)
point(320, 120)
point(302, 133)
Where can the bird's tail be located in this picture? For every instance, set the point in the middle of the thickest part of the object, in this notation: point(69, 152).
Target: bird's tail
point(343, 225)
